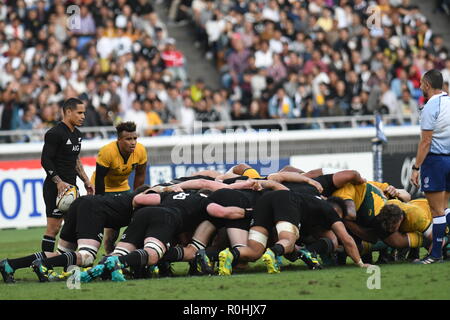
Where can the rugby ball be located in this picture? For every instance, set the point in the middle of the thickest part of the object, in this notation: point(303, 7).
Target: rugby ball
point(63, 202)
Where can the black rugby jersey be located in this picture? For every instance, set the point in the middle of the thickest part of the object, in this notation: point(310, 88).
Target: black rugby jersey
point(60, 152)
point(191, 205)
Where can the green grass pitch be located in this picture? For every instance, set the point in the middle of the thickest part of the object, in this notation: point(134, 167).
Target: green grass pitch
point(398, 281)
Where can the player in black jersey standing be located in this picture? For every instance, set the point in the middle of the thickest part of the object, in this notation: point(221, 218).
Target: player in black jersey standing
point(60, 160)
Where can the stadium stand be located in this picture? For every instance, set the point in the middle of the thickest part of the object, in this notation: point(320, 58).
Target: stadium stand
point(278, 59)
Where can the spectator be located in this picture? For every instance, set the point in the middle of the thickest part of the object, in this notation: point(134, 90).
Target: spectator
point(409, 107)
point(390, 103)
point(399, 81)
point(281, 106)
point(152, 118)
point(138, 116)
point(174, 60)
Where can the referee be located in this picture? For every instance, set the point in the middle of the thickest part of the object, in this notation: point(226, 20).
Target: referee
point(60, 160)
point(433, 158)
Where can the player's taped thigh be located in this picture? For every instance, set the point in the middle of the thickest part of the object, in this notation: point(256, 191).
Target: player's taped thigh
point(88, 254)
point(285, 226)
point(258, 237)
point(156, 245)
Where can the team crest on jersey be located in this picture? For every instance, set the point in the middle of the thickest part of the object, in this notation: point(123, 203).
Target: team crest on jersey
point(426, 181)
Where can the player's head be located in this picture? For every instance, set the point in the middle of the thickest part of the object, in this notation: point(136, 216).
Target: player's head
point(126, 136)
point(432, 80)
point(338, 205)
point(390, 218)
point(74, 111)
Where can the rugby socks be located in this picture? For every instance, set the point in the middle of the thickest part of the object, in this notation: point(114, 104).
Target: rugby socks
point(25, 262)
point(136, 258)
point(439, 224)
point(63, 260)
point(174, 254)
point(212, 253)
point(278, 249)
point(321, 246)
point(236, 254)
point(48, 244)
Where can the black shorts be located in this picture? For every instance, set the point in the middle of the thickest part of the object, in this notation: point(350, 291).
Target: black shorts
point(83, 222)
point(243, 224)
point(275, 206)
point(156, 222)
point(50, 193)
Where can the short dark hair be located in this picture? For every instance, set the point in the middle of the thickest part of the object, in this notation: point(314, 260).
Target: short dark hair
point(389, 215)
point(434, 78)
point(71, 104)
point(128, 126)
point(340, 203)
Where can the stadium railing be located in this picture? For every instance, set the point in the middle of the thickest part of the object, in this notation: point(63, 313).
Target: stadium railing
point(199, 127)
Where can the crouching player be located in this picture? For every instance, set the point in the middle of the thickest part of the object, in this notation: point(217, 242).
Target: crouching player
point(83, 228)
point(154, 227)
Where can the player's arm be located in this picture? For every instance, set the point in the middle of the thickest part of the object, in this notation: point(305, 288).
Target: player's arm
point(294, 177)
point(343, 177)
point(51, 142)
point(83, 176)
point(201, 184)
point(148, 199)
point(109, 239)
point(218, 211)
point(351, 209)
point(139, 176)
point(100, 174)
point(422, 151)
point(348, 242)
point(270, 184)
point(290, 168)
point(363, 233)
point(394, 193)
point(397, 240)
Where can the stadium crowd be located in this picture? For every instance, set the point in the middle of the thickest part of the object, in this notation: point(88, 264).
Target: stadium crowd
point(320, 57)
point(277, 58)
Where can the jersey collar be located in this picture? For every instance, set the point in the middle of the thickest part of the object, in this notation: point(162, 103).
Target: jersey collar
point(443, 93)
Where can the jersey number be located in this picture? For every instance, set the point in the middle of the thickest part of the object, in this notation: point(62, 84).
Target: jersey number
point(181, 196)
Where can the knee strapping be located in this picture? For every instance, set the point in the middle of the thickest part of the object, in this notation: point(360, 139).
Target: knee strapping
point(258, 237)
point(62, 249)
point(156, 247)
point(88, 255)
point(120, 251)
point(287, 227)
